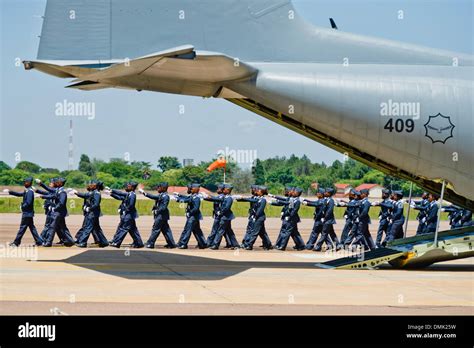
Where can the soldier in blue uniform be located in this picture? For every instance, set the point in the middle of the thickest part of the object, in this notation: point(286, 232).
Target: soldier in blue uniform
point(87, 197)
point(290, 222)
point(59, 213)
point(216, 214)
point(27, 213)
point(226, 217)
point(282, 201)
point(431, 214)
point(466, 218)
point(397, 219)
point(328, 235)
point(128, 214)
point(193, 217)
point(251, 212)
point(454, 215)
point(349, 216)
point(161, 215)
point(257, 219)
point(363, 218)
point(47, 204)
point(91, 218)
point(318, 216)
point(422, 207)
point(386, 207)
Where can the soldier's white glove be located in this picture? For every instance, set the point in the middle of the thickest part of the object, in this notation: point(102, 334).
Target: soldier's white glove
point(423, 220)
point(141, 191)
point(443, 209)
point(357, 220)
point(412, 204)
point(173, 198)
point(271, 195)
point(6, 190)
point(345, 217)
point(237, 197)
point(38, 181)
point(322, 220)
point(74, 192)
point(118, 211)
point(108, 188)
point(390, 221)
point(108, 192)
point(375, 203)
point(304, 203)
point(87, 209)
point(204, 195)
point(287, 218)
point(187, 215)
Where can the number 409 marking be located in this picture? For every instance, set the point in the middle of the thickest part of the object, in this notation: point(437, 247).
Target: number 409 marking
point(399, 125)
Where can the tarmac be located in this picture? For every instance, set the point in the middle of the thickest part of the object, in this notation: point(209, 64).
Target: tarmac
point(93, 281)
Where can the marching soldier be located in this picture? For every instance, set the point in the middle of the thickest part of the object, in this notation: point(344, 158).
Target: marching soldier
point(397, 219)
point(59, 213)
point(92, 214)
point(251, 212)
point(281, 201)
point(161, 215)
point(363, 219)
point(225, 223)
point(290, 221)
point(47, 204)
point(318, 216)
point(128, 214)
point(328, 235)
point(349, 215)
point(193, 217)
point(466, 218)
point(422, 207)
point(454, 215)
point(386, 207)
point(27, 213)
point(430, 218)
point(216, 214)
point(85, 209)
point(257, 221)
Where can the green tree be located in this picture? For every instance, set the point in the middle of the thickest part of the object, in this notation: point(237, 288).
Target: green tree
point(194, 174)
point(13, 177)
point(374, 177)
point(259, 173)
point(86, 166)
point(76, 178)
point(106, 178)
point(28, 167)
point(174, 177)
point(4, 166)
point(166, 163)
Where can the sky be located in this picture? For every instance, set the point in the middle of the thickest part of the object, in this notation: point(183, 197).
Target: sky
point(145, 126)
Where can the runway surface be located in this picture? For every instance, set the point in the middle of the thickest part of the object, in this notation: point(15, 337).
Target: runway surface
point(71, 281)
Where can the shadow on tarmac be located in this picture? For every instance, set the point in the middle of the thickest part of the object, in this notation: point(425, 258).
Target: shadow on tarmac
point(150, 265)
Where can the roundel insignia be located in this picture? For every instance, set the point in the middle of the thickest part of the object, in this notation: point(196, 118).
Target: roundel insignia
point(439, 128)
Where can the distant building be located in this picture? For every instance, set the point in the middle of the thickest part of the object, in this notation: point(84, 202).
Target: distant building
point(342, 190)
point(375, 190)
point(188, 162)
point(184, 189)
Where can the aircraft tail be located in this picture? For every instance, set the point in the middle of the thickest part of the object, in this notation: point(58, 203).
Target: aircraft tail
point(250, 30)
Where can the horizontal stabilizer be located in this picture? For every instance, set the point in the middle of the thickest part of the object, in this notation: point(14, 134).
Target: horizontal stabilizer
point(89, 86)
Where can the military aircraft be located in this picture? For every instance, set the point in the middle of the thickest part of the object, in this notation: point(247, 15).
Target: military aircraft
point(403, 109)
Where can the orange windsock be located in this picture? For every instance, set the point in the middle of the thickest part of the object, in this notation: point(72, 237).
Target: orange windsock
point(220, 163)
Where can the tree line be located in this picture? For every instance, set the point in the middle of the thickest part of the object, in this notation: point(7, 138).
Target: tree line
point(276, 173)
